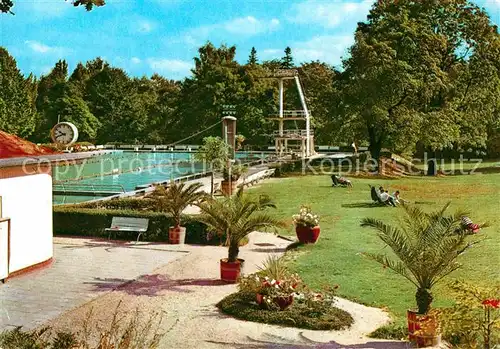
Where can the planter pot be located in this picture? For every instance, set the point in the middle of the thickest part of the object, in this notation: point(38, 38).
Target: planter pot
point(177, 235)
point(423, 330)
point(228, 188)
point(230, 272)
point(307, 235)
point(281, 302)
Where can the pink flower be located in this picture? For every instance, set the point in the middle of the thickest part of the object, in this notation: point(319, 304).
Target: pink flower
point(494, 303)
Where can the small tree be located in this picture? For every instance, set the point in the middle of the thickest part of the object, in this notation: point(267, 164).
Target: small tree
point(426, 246)
point(237, 216)
point(215, 153)
point(287, 60)
point(252, 59)
point(176, 198)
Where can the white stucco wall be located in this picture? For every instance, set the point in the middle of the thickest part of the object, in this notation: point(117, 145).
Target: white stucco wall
point(27, 201)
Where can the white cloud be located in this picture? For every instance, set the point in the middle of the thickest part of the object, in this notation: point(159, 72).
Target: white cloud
point(135, 60)
point(326, 48)
point(171, 67)
point(329, 14)
point(44, 49)
point(242, 26)
point(248, 25)
point(145, 26)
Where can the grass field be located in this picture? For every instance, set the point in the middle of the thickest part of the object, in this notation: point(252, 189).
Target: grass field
point(335, 258)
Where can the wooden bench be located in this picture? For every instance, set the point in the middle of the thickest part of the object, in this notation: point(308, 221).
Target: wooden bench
point(128, 224)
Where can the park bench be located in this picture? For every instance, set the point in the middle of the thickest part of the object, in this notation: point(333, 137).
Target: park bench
point(128, 224)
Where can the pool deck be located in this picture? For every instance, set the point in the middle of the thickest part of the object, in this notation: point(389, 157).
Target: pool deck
point(83, 269)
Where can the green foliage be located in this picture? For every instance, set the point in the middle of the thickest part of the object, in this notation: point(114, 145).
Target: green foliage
point(426, 246)
point(17, 110)
point(177, 197)
point(236, 172)
point(76, 221)
point(252, 58)
point(214, 151)
point(287, 60)
point(237, 216)
point(6, 5)
point(470, 323)
point(420, 70)
point(242, 305)
point(126, 330)
point(392, 331)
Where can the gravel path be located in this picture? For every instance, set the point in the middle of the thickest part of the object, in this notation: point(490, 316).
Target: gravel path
point(188, 288)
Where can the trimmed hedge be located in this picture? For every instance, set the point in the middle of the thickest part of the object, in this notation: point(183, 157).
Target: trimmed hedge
point(142, 204)
point(93, 222)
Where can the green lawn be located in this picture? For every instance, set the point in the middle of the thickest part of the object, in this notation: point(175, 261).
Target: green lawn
point(335, 258)
point(456, 165)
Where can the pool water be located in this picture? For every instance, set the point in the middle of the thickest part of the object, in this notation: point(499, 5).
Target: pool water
point(130, 170)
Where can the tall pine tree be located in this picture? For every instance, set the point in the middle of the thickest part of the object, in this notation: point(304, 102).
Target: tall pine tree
point(287, 60)
point(17, 111)
point(252, 59)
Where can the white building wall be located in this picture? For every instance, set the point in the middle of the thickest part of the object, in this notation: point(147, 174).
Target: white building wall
point(27, 201)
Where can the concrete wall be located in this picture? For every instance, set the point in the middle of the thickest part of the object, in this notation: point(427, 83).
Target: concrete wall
point(27, 201)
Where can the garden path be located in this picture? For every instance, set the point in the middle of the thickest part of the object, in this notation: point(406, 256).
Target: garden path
point(188, 288)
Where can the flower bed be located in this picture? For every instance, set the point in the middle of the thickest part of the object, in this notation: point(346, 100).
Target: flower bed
point(242, 305)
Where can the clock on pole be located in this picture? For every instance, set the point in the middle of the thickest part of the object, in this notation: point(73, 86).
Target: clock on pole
point(64, 133)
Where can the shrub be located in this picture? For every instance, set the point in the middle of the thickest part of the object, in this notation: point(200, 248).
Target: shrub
point(143, 204)
point(242, 305)
point(77, 221)
point(124, 332)
point(474, 320)
point(394, 331)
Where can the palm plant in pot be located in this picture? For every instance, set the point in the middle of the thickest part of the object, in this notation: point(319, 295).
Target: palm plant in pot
point(231, 174)
point(306, 225)
point(426, 246)
point(237, 216)
point(174, 200)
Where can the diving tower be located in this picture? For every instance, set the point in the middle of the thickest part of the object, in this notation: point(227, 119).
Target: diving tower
point(292, 140)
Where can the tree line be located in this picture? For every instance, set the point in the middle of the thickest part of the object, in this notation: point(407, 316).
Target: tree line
point(420, 76)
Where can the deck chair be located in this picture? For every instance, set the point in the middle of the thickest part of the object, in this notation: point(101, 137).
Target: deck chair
point(375, 194)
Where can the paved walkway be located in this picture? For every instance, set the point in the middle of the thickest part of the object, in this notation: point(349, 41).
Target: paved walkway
point(187, 289)
point(82, 270)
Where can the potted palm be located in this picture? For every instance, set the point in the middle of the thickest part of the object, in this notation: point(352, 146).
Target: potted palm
point(306, 225)
point(426, 246)
point(236, 216)
point(231, 175)
point(174, 200)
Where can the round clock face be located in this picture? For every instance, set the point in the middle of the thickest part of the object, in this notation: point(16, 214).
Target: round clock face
point(64, 133)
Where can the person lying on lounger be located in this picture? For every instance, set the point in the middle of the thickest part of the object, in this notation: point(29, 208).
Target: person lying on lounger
point(469, 225)
point(342, 181)
point(386, 198)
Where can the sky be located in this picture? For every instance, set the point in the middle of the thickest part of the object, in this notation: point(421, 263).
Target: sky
point(162, 36)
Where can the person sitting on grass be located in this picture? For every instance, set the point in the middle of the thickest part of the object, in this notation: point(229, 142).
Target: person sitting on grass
point(386, 198)
point(396, 197)
point(469, 225)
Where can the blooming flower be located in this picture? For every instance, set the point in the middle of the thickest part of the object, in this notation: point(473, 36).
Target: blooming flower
point(494, 303)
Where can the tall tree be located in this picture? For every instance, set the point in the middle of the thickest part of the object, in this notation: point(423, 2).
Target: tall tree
point(17, 111)
point(252, 59)
point(216, 81)
point(51, 88)
point(287, 60)
point(407, 73)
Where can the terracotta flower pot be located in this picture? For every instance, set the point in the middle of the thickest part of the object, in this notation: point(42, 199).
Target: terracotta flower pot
point(230, 272)
point(307, 235)
point(177, 235)
point(423, 330)
point(228, 188)
point(281, 302)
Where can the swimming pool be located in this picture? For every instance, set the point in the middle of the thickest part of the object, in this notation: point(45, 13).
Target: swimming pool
point(131, 169)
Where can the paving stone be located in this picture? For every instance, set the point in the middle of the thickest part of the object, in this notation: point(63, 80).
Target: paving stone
point(82, 270)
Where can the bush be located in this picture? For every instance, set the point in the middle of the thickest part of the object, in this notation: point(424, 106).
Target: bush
point(242, 305)
point(77, 221)
point(394, 331)
point(143, 204)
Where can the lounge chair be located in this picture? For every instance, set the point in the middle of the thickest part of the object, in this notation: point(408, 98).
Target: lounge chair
point(375, 194)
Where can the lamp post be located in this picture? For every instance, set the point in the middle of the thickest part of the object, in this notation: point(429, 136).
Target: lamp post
point(229, 135)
